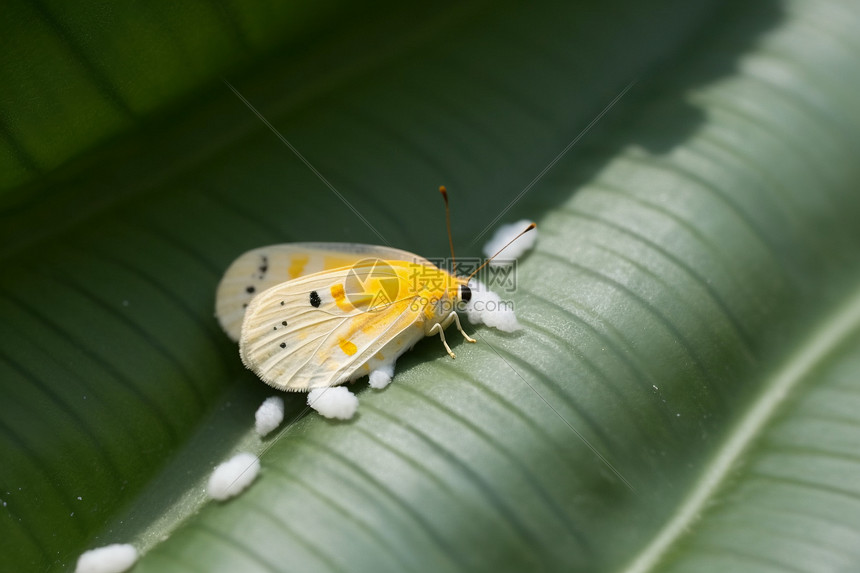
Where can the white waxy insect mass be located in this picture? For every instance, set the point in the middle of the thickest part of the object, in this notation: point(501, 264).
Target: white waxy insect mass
point(114, 558)
point(486, 307)
point(269, 415)
point(233, 476)
point(510, 238)
point(381, 377)
point(338, 402)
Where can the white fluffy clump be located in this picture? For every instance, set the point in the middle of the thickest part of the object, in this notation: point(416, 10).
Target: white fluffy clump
point(486, 307)
point(233, 476)
point(503, 236)
point(114, 558)
point(381, 377)
point(269, 415)
point(333, 402)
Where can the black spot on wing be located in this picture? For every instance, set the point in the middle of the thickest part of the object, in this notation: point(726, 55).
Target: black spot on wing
point(315, 299)
point(283, 345)
point(250, 289)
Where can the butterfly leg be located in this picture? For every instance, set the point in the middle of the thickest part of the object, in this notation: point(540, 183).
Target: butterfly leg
point(438, 328)
point(456, 320)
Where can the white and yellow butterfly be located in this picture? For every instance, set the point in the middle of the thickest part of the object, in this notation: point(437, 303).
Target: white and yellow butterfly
point(314, 315)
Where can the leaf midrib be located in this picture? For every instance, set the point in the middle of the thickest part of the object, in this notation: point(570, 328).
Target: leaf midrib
point(823, 341)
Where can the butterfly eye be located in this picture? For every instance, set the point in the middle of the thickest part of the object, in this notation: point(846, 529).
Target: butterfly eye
point(465, 293)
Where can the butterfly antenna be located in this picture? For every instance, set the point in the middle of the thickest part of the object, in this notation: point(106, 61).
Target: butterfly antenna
point(485, 263)
point(444, 193)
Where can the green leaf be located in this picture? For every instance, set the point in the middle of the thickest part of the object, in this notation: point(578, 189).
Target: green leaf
point(684, 396)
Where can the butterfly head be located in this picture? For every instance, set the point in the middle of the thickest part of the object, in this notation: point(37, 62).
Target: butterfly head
point(458, 289)
point(464, 293)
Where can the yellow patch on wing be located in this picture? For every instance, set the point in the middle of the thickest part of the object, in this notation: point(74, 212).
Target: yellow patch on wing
point(339, 296)
point(348, 347)
point(297, 266)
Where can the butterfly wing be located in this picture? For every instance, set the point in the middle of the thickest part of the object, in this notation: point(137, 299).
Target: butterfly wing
point(329, 327)
point(260, 269)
